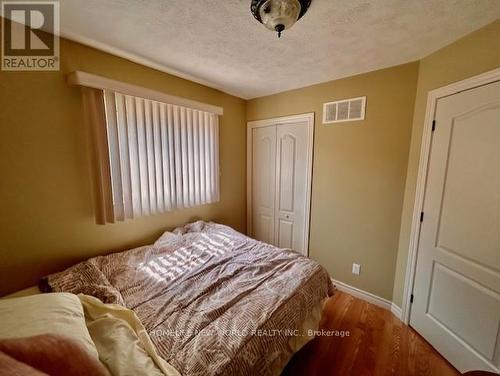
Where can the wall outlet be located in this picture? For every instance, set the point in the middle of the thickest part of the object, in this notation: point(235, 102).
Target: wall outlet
point(356, 269)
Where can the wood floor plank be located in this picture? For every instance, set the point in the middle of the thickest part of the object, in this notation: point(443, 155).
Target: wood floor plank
point(355, 319)
point(378, 345)
point(385, 359)
point(399, 348)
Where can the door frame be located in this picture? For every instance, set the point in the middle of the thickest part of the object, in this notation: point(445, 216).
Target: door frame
point(425, 149)
point(307, 117)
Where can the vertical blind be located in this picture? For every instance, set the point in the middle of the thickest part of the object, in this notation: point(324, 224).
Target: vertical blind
point(162, 156)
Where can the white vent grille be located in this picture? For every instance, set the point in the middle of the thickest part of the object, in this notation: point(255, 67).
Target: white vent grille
point(344, 110)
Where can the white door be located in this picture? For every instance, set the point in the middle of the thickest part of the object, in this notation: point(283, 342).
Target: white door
point(292, 174)
point(263, 183)
point(456, 303)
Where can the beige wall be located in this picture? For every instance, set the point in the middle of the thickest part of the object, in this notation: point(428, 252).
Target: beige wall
point(47, 219)
point(359, 172)
point(474, 54)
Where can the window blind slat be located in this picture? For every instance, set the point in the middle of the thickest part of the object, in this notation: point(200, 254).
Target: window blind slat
point(206, 160)
point(142, 153)
point(124, 154)
point(190, 152)
point(158, 155)
point(212, 158)
point(178, 157)
point(162, 157)
point(171, 155)
point(196, 159)
point(165, 157)
point(203, 186)
point(184, 152)
point(151, 163)
point(216, 164)
point(135, 180)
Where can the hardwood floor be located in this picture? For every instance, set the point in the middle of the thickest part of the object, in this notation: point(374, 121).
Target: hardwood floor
point(378, 344)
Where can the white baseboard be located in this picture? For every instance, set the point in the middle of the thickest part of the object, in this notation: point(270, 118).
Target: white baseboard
point(396, 310)
point(369, 297)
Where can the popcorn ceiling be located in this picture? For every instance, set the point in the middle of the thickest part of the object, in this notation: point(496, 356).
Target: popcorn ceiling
point(220, 44)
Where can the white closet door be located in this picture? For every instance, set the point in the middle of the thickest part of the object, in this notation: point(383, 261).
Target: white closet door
point(292, 172)
point(456, 303)
point(263, 183)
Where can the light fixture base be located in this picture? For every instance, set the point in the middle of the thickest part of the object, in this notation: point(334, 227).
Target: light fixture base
point(279, 15)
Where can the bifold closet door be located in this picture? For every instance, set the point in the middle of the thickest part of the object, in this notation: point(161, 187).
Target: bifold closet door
point(281, 176)
point(264, 183)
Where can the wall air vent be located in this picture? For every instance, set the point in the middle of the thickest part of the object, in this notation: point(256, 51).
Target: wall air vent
point(344, 110)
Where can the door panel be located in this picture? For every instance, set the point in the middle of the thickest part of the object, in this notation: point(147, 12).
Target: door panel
point(285, 233)
point(287, 155)
point(263, 181)
point(470, 197)
point(457, 284)
point(291, 185)
point(454, 292)
point(264, 228)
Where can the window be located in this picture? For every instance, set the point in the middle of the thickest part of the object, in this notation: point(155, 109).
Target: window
point(152, 156)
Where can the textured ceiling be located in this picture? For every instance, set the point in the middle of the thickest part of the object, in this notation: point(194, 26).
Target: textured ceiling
point(220, 44)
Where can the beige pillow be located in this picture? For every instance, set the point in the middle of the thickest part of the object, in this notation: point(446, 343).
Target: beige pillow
point(55, 313)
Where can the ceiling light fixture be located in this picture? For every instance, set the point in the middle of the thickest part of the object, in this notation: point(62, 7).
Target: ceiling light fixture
point(279, 15)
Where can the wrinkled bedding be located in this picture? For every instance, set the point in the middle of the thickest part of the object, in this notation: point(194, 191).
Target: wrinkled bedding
point(121, 341)
point(213, 301)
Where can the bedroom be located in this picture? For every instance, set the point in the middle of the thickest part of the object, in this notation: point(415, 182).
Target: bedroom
point(359, 185)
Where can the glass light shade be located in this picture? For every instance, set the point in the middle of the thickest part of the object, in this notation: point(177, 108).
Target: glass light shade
point(275, 13)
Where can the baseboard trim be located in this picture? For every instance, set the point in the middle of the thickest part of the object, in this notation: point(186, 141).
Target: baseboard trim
point(369, 297)
point(396, 310)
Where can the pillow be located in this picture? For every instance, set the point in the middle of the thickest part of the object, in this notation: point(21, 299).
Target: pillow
point(167, 239)
point(11, 367)
point(172, 237)
point(50, 354)
point(56, 313)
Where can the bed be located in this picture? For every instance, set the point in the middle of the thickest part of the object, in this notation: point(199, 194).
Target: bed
point(213, 301)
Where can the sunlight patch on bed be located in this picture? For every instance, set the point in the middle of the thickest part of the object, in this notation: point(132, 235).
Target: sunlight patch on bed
point(185, 259)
